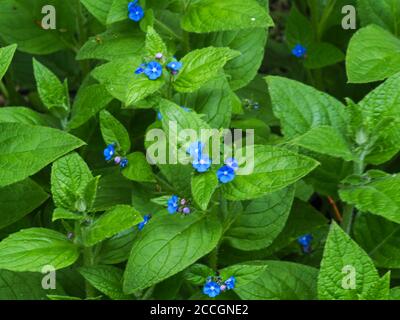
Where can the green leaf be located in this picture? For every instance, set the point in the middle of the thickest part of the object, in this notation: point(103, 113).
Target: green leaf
point(88, 102)
point(243, 273)
point(322, 54)
point(209, 16)
point(24, 116)
point(380, 111)
point(98, 8)
point(23, 286)
point(298, 29)
point(341, 257)
point(379, 238)
point(61, 213)
point(114, 132)
point(261, 221)
point(281, 280)
point(106, 279)
point(118, 11)
point(274, 169)
point(300, 107)
point(116, 249)
point(383, 13)
point(166, 241)
point(12, 208)
point(154, 43)
point(29, 35)
point(380, 196)
point(138, 168)
point(32, 249)
point(69, 177)
point(373, 54)
point(121, 82)
point(51, 91)
point(6, 55)
point(325, 140)
point(200, 66)
point(197, 274)
point(113, 221)
point(380, 290)
point(112, 44)
point(203, 187)
point(214, 101)
point(26, 149)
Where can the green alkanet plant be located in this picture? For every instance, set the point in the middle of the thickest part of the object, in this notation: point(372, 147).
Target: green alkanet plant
point(107, 178)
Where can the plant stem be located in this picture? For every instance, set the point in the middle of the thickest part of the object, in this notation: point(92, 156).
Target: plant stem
point(4, 90)
point(213, 258)
point(88, 260)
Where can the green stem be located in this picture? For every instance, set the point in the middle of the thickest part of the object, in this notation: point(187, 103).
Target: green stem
point(4, 90)
point(88, 260)
point(213, 258)
point(324, 19)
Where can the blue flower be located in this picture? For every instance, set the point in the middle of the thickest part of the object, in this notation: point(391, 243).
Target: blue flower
point(173, 204)
point(123, 163)
point(225, 174)
point(174, 66)
point(109, 152)
point(211, 289)
point(140, 69)
point(195, 149)
point(299, 51)
point(146, 219)
point(230, 283)
point(136, 12)
point(232, 163)
point(202, 164)
point(305, 240)
point(153, 70)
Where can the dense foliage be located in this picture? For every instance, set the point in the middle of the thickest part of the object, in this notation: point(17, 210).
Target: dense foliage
point(318, 217)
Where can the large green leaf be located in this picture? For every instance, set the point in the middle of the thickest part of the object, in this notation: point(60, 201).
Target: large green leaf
point(32, 249)
point(106, 279)
point(26, 149)
point(200, 66)
point(384, 13)
point(203, 187)
point(70, 176)
point(274, 169)
point(114, 132)
point(12, 208)
point(121, 82)
point(6, 55)
point(326, 140)
point(381, 196)
point(154, 43)
point(322, 54)
point(379, 238)
point(29, 35)
point(51, 91)
point(261, 221)
point(88, 102)
point(341, 257)
point(373, 54)
point(281, 280)
point(25, 116)
point(300, 107)
point(98, 8)
point(165, 247)
point(138, 168)
point(113, 221)
point(223, 15)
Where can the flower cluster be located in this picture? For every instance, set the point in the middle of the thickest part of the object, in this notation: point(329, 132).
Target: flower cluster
point(110, 153)
point(299, 51)
point(154, 69)
point(146, 219)
point(214, 285)
point(201, 162)
point(226, 173)
point(250, 104)
point(175, 204)
point(136, 12)
point(305, 242)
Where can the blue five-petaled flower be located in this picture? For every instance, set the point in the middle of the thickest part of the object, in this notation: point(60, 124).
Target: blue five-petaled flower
point(212, 289)
point(305, 242)
point(202, 163)
point(232, 163)
point(136, 12)
point(140, 69)
point(174, 66)
point(153, 70)
point(230, 283)
point(109, 152)
point(195, 149)
point(299, 51)
point(146, 219)
point(225, 174)
point(173, 204)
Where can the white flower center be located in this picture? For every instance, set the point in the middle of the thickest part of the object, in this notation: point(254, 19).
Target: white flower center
point(225, 173)
point(154, 69)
